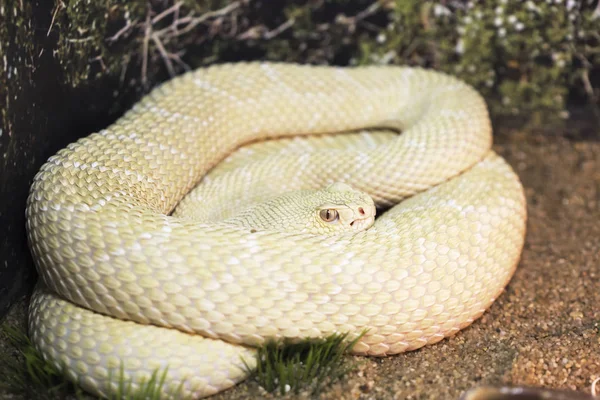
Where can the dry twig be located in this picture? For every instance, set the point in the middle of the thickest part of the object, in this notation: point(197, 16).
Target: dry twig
point(56, 9)
point(165, 38)
point(587, 84)
point(351, 22)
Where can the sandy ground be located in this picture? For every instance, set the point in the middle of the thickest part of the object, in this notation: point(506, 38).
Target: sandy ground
point(545, 329)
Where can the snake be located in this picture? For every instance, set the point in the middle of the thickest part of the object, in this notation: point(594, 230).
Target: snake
point(150, 240)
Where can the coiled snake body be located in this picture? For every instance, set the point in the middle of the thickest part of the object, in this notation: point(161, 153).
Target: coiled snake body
point(127, 284)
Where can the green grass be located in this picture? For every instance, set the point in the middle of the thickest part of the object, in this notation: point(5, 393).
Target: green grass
point(148, 390)
point(308, 365)
point(283, 367)
point(26, 373)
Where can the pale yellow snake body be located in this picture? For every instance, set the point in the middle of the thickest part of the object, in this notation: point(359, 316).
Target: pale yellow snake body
point(105, 243)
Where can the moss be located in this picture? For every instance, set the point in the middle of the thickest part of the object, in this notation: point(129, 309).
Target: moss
point(17, 35)
point(82, 31)
point(527, 68)
point(525, 57)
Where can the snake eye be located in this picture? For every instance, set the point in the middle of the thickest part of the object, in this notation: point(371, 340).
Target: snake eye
point(329, 215)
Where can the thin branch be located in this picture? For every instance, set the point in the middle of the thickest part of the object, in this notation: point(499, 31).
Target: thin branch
point(122, 31)
point(252, 33)
point(587, 65)
point(179, 61)
point(175, 19)
point(124, 64)
point(81, 40)
point(165, 55)
point(275, 32)
point(100, 61)
point(596, 12)
point(174, 27)
point(166, 12)
point(217, 13)
point(372, 9)
point(352, 21)
point(587, 84)
point(58, 7)
point(234, 24)
point(147, 32)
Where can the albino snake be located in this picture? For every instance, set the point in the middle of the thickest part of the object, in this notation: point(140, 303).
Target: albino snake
point(105, 243)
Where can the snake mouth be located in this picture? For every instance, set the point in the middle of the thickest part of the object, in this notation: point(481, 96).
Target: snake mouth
point(362, 223)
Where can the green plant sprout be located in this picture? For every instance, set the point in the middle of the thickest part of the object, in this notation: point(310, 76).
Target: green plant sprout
point(282, 366)
point(311, 364)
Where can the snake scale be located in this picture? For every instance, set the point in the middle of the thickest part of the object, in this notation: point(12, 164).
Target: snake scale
point(128, 283)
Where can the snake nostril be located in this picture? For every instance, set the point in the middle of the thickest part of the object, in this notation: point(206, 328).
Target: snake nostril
point(361, 211)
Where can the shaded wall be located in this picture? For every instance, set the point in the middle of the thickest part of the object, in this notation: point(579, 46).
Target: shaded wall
point(39, 115)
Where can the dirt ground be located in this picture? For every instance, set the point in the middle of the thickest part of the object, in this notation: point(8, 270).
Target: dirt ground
point(545, 329)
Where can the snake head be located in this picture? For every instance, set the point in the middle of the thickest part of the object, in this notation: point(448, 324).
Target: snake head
point(334, 210)
point(344, 209)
